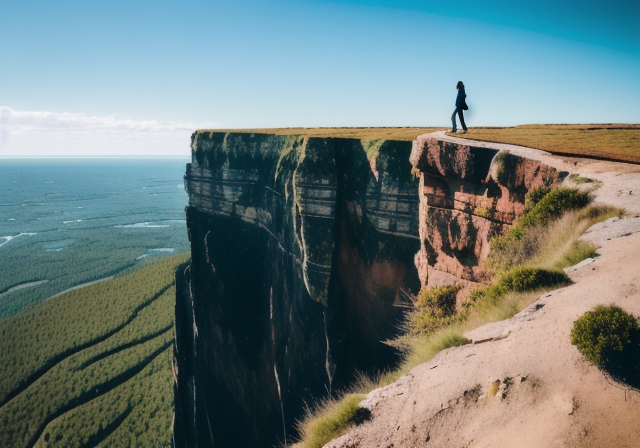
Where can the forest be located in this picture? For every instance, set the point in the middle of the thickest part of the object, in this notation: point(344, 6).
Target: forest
point(92, 366)
point(41, 267)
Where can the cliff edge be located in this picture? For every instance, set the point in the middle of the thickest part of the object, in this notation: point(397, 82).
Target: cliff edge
point(304, 250)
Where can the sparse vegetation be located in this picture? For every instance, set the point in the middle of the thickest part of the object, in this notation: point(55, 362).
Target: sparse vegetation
point(579, 250)
point(98, 371)
point(578, 179)
point(526, 260)
point(605, 141)
point(546, 236)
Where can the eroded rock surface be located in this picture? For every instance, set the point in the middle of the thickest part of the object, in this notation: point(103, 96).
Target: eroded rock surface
point(467, 195)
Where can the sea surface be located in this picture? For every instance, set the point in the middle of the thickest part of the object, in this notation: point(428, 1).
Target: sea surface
point(68, 221)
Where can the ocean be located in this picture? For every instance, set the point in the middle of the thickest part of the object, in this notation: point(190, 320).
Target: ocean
point(69, 221)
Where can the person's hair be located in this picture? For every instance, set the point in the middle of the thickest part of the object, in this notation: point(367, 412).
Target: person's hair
point(459, 85)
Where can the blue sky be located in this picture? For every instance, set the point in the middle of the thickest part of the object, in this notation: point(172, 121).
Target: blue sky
point(137, 77)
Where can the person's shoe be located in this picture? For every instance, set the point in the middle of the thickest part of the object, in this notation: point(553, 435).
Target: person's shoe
point(453, 130)
point(464, 131)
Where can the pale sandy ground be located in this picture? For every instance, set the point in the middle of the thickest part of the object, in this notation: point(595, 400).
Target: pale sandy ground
point(547, 395)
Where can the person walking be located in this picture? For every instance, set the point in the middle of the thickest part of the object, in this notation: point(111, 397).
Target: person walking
point(461, 105)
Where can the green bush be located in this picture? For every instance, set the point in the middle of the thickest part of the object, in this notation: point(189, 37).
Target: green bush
point(434, 308)
point(441, 299)
point(604, 332)
point(552, 205)
point(534, 196)
point(529, 279)
point(486, 295)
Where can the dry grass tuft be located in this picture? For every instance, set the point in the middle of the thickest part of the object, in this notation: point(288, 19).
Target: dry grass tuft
point(329, 419)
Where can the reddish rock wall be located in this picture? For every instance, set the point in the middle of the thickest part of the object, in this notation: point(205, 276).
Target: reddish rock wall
point(467, 195)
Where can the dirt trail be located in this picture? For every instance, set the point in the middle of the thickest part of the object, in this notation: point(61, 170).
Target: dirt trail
point(521, 383)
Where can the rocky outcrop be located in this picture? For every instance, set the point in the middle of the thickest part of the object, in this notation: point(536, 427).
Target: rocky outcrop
point(467, 195)
point(303, 251)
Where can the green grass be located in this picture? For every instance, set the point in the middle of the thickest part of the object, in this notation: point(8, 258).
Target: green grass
point(606, 141)
point(554, 245)
point(92, 366)
point(579, 250)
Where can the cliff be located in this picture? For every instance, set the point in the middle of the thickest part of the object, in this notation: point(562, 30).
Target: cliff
point(303, 251)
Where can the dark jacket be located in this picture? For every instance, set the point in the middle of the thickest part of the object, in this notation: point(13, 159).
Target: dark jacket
point(460, 102)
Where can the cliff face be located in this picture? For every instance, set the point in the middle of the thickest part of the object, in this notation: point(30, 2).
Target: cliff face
point(299, 249)
point(302, 249)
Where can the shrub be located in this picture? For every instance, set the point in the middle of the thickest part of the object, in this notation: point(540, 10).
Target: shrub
point(552, 205)
point(442, 299)
point(534, 196)
point(529, 279)
point(434, 308)
point(452, 340)
point(604, 332)
point(486, 294)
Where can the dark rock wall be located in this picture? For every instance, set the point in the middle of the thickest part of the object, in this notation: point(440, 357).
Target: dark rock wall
point(300, 250)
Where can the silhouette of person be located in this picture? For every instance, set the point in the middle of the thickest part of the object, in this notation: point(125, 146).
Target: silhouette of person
point(460, 106)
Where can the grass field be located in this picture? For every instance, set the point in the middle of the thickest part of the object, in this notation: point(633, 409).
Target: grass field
point(603, 141)
point(373, 133)
point(92, 367)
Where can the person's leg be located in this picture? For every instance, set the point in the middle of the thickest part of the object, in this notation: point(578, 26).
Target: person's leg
point(461, 116)
point(453, 120)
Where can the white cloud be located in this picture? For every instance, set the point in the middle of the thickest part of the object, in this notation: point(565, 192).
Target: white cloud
point(55, 133)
